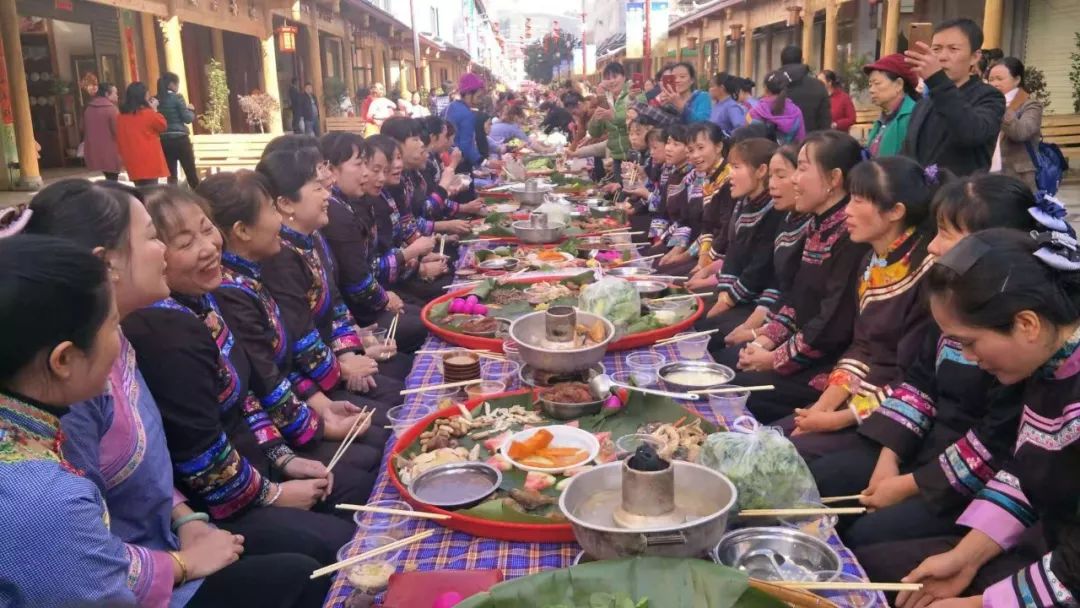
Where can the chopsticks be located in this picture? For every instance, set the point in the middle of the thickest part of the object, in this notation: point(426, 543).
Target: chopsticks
point(354, 432)
point(641, 259)
point(837, 586)
point(805, 511)
point(683, 296)
point(482, 353)
point(392, 331)
point(345, 563)
point(485, 240)
point(386, 511)
point(834, 499)
point(412, 391)
point(735, 389)
point(796, 598)
point(696, 334)
point(456, 285)
point(442, 244)
point(610, 230)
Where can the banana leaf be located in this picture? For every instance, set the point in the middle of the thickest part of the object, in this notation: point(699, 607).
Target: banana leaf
point(498, 225)
point(664, 582)
point(639, 410)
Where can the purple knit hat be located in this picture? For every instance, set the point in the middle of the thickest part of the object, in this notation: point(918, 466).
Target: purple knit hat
point(470, 82)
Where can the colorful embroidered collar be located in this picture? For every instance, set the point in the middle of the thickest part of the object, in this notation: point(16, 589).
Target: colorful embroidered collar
point(30, 431)
point(1066, 361)
point(244, 266)
point(297, 239)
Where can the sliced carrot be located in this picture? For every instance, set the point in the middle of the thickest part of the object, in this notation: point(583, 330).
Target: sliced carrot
point(538, 461)
point(518, 450)
point(554, 452)
point(538, 441)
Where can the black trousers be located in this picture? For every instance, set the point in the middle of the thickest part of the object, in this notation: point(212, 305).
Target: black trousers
point(354, 474)
point(275, 530)
point(725, 322)
point(893, 561)
point(269, 581)
point(112, 177)
point(178, 149)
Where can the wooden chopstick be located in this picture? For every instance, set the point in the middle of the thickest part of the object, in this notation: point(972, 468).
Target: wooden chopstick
point(462, 285)
point(451, 350)
point(345, 563)
point(390, 333)
point(824, 585)
point(387, 511)
point(833, 499)
point(610, 230)
point(642, 259)
point(806, 511)
point(351, 436)
point(797, 598)
point(483, 354)
point(411, 391)
point(442, 244)
point(681, 296)
point(735, 389)
point(696, 334)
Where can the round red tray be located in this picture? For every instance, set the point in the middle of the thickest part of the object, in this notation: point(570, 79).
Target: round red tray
point(530, 533)
point(637, 340)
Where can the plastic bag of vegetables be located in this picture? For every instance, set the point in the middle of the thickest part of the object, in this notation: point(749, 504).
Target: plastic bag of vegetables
point(614, 299)
point(764, 466)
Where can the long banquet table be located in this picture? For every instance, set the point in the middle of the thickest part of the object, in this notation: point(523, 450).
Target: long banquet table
point(451, 550)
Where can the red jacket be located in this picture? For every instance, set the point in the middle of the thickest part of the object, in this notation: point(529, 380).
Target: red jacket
point(842, 110)
point(137, 139)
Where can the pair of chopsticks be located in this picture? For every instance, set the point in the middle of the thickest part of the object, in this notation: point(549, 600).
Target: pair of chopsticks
point(834, 499)
point(412, 391)
point(345, 563)
point(735, 389)
point(483, 354)
point(388, 511)
point(466, 284)
point(802, 511)
point(641, 259)
point(390, 333)
point(838, 586)
point(610, 230)
point(681, 297)
point(696, 334)
point(354, 432)
point(442, 244)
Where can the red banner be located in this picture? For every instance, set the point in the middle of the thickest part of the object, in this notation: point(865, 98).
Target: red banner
point(7, 116)
point(129, 42)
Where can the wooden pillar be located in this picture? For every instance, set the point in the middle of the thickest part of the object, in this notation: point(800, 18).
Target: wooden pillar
point(29, 172)
point(269, 72)
point(427, 76)
point(832, 7)
point(808, 33)
point(314, 66)
point(701, 49)
point(149, 44)
point(890, 41)
point(993, 13)
point(379, 73)
point(748, 48)
point(174, 52)
point(348, 49)
point(721, 51)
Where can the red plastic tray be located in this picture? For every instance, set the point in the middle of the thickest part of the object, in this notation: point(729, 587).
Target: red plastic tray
point(531, 533)
point(638, 340)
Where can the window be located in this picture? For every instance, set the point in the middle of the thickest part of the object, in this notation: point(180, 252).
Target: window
point(435, 21)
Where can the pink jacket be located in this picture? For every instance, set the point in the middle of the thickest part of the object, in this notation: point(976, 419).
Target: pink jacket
point(99, 136)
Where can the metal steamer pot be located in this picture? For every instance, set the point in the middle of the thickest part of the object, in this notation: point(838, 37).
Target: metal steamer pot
point(606, 540)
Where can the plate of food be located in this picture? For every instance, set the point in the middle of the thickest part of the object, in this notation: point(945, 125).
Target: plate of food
point(484, 430)
point(510, 298)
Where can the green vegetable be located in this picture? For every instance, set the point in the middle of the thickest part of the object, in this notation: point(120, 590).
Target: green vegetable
point(764, 466)
point(613, 298)
point(537, 164)
point(610, 600)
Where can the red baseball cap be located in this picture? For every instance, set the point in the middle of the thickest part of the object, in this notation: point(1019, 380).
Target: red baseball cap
point(896, 64)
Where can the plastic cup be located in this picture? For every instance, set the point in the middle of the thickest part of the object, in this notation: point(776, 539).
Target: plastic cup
point(501, 371)
point(692, 348)
point(485, 389)
point(729, 403)
point(385, 561)
point(384, 524)
point(436, 396)
point(626, 445)
point(404, 417)
point(512, 352)
point(821, 526)
point(846, 599)
point(644, 367)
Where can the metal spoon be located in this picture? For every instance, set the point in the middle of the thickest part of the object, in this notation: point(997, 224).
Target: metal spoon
point(601, 385)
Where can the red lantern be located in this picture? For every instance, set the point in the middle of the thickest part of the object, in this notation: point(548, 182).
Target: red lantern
point(286, 38)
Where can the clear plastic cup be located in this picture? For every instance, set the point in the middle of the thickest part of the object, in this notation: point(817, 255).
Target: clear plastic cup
point(644, 367)
point(732, 404)
point(371, 575)
point(512, 352)
point(692, 348)
point(626, 445)
point(500, 371)
point(373, 338)
point(847, 599)
point(820, 526)
point(385, 524)
point(436, 396)
point(486, 388)
point(404, 417)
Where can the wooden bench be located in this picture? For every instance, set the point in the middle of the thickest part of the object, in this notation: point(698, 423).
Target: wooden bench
point(1064, 130)
point(228, 151)
point(354, 124)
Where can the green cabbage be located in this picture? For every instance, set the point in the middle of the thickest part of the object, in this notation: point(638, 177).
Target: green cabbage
point(764, 466)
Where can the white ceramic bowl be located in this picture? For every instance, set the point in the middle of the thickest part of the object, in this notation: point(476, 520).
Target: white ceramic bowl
point(563, 436)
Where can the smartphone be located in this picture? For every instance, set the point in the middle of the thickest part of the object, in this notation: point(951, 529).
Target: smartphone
point(920, 32)
point(638, 80)
point(668, 80)
point(603, 102)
